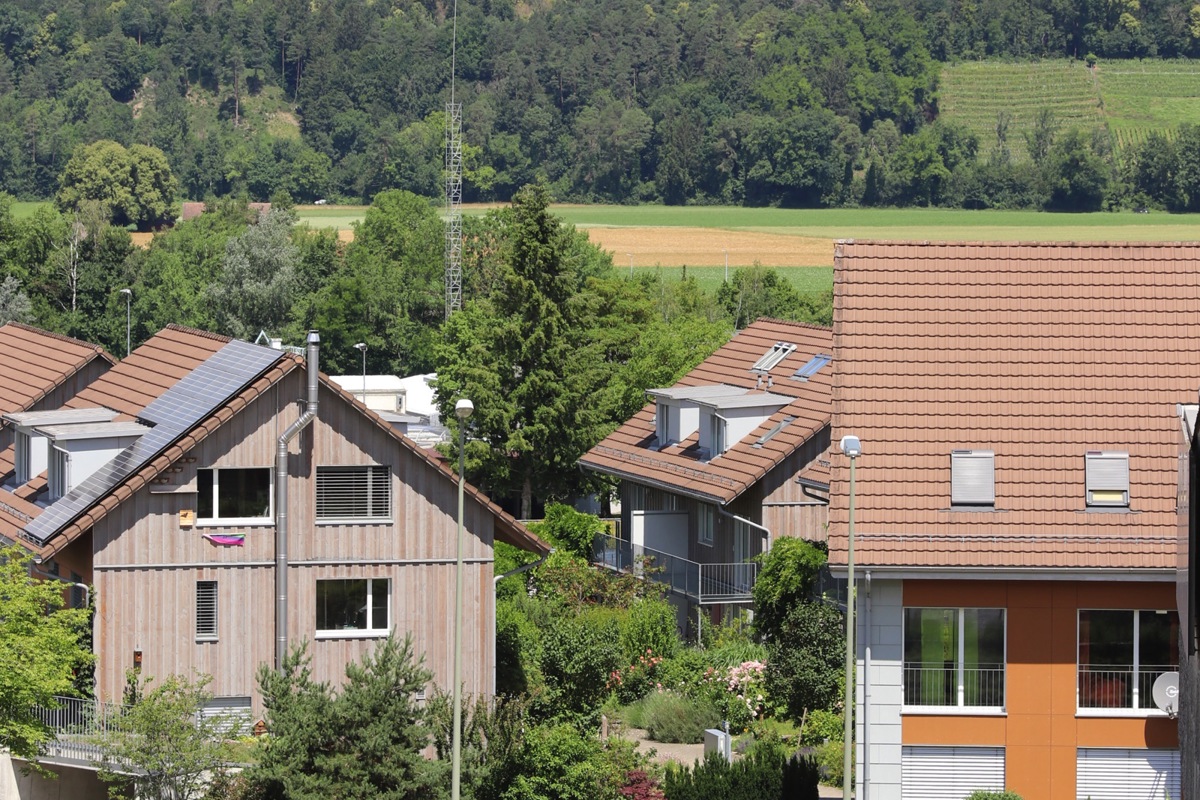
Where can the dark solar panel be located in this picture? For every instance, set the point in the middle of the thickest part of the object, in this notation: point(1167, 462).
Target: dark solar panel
point(175, 411)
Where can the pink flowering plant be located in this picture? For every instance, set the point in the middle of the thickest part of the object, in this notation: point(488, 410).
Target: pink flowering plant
point(638, 679)
point(739, 692)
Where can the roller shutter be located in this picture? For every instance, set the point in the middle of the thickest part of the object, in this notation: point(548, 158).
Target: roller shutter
point(949, 773)
point(1104, 773)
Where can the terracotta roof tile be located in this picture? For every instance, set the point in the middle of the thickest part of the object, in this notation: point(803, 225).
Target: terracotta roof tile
point(631, 450)
point(37, 361)
point(1039, 352)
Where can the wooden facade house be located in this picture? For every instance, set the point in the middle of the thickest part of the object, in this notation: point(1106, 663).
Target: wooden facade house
point(716, 467)
point(165, 479)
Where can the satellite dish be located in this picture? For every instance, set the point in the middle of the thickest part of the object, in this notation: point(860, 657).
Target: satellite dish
point(1166, 692)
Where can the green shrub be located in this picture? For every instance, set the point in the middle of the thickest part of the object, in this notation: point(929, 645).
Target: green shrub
point(650, 625)
point(568, 529)
point(578, 656)
point(821, 726)
point(670, 717)
point(759, 776)
point(983, 794)
point(831, 760)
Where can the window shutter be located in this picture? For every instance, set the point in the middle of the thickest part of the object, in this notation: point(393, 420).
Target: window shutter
point(972, 478)
point(354, 493)
point(206, 609)
point(1107, 476)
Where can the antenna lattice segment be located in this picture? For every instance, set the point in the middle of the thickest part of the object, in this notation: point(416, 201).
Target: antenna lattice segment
point(454, 166)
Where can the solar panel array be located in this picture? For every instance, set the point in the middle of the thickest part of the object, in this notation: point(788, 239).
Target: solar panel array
point(173, 414)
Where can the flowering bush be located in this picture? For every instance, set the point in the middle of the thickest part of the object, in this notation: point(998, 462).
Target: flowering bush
point(739, 691)
point(636, 680)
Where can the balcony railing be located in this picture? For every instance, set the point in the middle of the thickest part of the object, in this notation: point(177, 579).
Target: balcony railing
point(702, 583)
point(1118, 685)
point(937, 684)
point(78, 724)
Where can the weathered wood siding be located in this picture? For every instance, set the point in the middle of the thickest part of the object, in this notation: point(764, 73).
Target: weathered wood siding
point(147, 564)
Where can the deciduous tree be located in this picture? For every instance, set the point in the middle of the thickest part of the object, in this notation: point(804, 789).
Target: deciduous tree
point(41, 647)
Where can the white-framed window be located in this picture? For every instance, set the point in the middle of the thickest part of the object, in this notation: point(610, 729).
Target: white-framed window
point(973, 478)
point(206, 610)
point(353, 607)
point(706, 520)
point(1121, 654)
point(22, 456)
point(718, 435)
point(354, 493)
point(58, 477)
point(1107, 477)
point(662, 423)
point(954, 657)
point(234, 496)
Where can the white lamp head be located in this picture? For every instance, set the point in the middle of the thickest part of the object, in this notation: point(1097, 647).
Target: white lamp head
point(127, 291)
point(361, 346)
point(851, 446)
point(463, 408)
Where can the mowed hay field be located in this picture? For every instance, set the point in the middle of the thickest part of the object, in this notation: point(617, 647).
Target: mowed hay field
point(800, 242)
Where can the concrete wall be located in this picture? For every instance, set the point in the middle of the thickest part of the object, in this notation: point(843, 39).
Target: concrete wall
point(70, 783)
point(879, 639)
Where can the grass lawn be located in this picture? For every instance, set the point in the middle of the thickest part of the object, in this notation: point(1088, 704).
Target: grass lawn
point(26, 210)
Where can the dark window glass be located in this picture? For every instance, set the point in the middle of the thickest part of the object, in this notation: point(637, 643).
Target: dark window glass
point(204, 485)
point(244, 493)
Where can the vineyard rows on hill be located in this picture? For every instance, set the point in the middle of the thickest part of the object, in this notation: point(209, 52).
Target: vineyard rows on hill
point(1125, 100)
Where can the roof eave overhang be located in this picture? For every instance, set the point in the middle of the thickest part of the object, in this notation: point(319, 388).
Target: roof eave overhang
point(636, 477)
point(1127, 575)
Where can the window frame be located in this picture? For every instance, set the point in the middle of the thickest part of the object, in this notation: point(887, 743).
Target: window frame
point(58, 473)
point(22, 456)
point(1097, 478)
point(1140, 705)
point(960, 705)
point(369, 471)
point(219, 521)
point(209, 633)
point(355, 633)
point(962, 494)
point(706, 524)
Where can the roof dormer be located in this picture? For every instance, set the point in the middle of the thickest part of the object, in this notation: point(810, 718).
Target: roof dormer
point(70, 445)
point(677, 414)
point(725, 421)
point(31, 446)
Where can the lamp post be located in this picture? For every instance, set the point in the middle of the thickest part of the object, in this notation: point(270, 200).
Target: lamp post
point(128, 301)
point(851, 447)
point(362, 347)
point(727, 266)
point(630, 264)
point(462, 409)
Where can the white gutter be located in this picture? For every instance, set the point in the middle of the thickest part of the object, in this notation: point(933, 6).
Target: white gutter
point(765, 532)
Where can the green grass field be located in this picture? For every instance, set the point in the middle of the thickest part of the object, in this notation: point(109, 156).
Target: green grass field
point(1125, 100)
point(25, 210)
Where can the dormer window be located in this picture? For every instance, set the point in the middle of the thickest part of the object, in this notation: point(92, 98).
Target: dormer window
point(973, 478)
point(718, 443)
point(1107, 476)
point(59, 475)
point(662, 423)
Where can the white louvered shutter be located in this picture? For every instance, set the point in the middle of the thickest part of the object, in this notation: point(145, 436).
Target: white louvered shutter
point(972, 477)
point(949, 773)
point(1104, 773)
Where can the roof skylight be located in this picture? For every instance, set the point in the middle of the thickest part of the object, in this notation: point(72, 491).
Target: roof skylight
point(778, 352)
point(814, 364)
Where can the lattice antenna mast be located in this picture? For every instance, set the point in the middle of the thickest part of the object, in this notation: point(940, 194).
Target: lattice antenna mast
point(454, 166)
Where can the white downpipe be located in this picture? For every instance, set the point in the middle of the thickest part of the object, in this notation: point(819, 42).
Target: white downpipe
point(765, 532)
point(866, 763)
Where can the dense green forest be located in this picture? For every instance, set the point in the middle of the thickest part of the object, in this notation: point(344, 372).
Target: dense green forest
point(742, 102)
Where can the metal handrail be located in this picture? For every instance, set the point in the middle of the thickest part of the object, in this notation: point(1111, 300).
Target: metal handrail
point(78, 724)
point(703, 583)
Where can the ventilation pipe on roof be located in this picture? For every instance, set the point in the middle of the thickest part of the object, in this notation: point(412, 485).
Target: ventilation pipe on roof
point(281, 500)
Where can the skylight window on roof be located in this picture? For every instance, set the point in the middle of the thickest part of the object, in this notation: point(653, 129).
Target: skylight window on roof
point(769, 435)
point(778, 352)
point(814, 364)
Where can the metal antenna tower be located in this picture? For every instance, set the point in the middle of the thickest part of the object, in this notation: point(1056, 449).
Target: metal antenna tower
point(454, 151)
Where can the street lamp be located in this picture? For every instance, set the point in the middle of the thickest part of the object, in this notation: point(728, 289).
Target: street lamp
point(851, 447)
point(128, 300)
point(362, 346)
point(630, 264)
point(727, 266)
point(462, 410)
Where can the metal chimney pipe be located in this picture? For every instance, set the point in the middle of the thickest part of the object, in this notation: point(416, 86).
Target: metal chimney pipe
point(281, 499)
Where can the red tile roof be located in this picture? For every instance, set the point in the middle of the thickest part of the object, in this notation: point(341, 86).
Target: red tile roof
point(37, 361)
point(1039, 352)
point(631, 451)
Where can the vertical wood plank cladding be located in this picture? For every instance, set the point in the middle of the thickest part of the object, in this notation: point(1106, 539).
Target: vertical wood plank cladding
point(153, 608)
point(802, 522)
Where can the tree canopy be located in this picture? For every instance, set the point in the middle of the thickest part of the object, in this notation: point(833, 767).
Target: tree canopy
point(41, 648)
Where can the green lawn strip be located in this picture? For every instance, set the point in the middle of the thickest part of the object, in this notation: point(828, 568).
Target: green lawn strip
point(23, 210)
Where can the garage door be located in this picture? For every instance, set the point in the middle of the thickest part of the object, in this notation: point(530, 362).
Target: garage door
point(1116, 774)
point(949, 773)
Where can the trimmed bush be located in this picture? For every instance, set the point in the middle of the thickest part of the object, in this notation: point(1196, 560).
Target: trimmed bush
point(983, 794)
point(764, 776)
